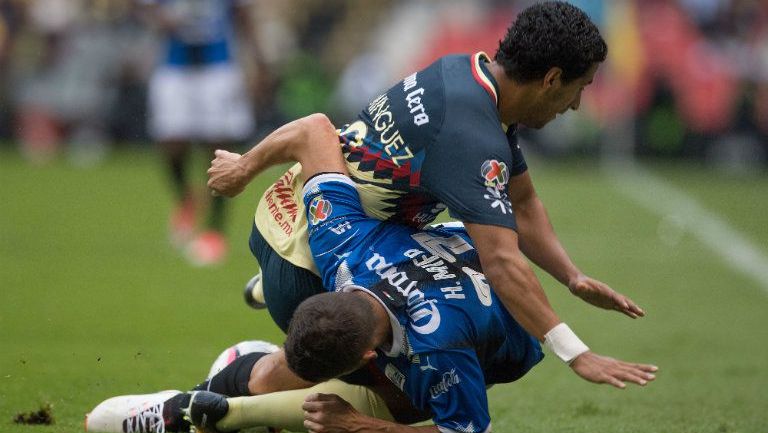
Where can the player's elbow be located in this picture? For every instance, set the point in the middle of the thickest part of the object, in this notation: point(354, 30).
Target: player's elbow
point(316, 134)
point(317, 124)
point(505, 267)
point(500, 263)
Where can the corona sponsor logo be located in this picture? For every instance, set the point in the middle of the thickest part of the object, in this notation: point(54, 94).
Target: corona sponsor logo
point(423, 312)
point(495, 174)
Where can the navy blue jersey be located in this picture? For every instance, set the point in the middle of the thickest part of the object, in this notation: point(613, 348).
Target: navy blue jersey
point(451, 335)
point(434, 140)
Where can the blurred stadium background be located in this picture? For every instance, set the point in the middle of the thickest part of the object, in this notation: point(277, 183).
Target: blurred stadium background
point(658, 185)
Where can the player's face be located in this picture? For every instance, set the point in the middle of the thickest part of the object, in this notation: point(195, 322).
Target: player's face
point(557, 96)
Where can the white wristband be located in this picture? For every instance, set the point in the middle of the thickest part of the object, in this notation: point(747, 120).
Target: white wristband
point(564, 343)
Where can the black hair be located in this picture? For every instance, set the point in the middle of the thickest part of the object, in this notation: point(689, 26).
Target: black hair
point(550, 34)
point(328, 335)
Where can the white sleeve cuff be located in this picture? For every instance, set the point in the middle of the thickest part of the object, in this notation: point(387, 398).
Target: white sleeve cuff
point(325, 177)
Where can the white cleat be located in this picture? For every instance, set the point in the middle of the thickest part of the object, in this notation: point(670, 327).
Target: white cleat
point(254, 293)
point(130, 414)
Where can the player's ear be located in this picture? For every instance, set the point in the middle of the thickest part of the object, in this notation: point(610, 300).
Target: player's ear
point(369, 355)
point(553, 77)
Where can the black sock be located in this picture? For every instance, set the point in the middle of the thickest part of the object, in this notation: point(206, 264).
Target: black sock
point(232, 381)
point(172, 415)
point(216, 214)
point(177, 165)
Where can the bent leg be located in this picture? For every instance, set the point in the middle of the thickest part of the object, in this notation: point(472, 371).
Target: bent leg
point(285, 285)
point(283, 409)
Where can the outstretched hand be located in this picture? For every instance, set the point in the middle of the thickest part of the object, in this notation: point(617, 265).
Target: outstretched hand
point(602, 369)
point(227, 176)
point(601, 295)
point(329, 413)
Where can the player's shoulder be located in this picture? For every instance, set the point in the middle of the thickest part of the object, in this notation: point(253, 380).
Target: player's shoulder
point(468, 80)
point(471, 98)
point(462, 76)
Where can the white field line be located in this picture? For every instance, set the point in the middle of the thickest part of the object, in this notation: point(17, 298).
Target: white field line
point(663, 199)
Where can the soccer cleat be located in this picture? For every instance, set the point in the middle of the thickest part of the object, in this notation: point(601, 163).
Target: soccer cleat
point(254, 293)
point(209, 248)
point(133, 414)
point(182, 223)
point(206, 409)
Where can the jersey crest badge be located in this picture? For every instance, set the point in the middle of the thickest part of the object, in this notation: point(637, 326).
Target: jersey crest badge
point(319, 210)
point(495, 174)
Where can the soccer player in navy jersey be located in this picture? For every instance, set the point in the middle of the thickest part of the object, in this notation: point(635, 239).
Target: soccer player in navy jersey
point(412, 306)
point(445, 137)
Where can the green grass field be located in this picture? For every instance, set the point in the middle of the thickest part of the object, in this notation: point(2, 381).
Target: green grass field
point(95, 303)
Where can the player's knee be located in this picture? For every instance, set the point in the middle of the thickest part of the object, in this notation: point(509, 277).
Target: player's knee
point(261, 379)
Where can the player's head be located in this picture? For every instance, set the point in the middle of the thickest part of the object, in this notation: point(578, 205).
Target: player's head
point(554, 47)
point(330, 334)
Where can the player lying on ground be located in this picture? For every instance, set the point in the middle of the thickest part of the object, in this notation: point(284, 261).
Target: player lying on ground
point(430, 322)
point(162, 411)
point(414, 303)
point(445, 137)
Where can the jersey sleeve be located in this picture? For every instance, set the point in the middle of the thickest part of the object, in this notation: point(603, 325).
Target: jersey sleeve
point(338, 225)
point(469, 170)
point(451, 384)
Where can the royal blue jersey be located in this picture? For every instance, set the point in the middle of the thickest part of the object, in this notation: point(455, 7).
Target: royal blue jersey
point(451, 335)
point(205, 34)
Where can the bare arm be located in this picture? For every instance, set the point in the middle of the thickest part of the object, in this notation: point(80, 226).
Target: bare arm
point(516, 285)
point(311, 140)
point(539, 243)
point(329, 413)
point(538, 240)
point(512, 278)
point(271, 374)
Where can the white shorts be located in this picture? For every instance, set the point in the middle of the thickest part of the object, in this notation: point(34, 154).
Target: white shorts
point(199, 104)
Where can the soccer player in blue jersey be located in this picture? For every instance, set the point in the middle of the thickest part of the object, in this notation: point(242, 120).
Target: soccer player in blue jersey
point(445, 137)
point(431, 322)
point(197, 94)
point(413, 304)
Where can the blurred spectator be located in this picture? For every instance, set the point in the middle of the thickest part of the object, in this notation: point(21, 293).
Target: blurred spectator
point(65, 58)
point(10, 18)
point(198, 94)
point(684, 78)
point(702, 74)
